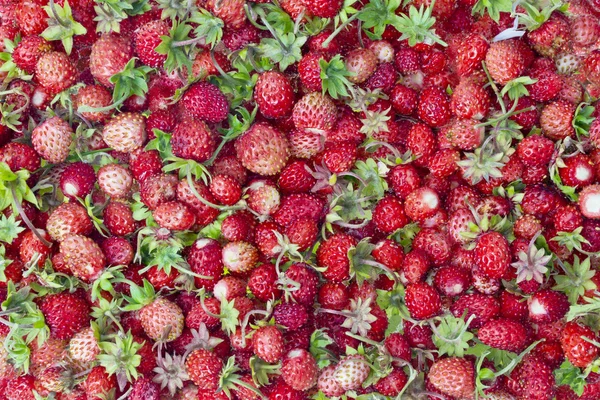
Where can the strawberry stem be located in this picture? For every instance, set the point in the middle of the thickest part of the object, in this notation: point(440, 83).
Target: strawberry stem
point(61, 21)
point(221, 71)
point(247, 320)
point(26, 219)
point(206, 202)
point(189, 42)
point(339, 29)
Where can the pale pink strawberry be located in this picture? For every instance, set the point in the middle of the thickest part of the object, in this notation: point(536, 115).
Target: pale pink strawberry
point(52, 139)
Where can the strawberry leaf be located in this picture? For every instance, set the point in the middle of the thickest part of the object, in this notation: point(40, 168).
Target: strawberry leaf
point(130, 81)
point(177, 46)
point(576, 280)
point(319, 340)
point(416, 26)
point(209, 27)
point(61, 25)
point(377, 15)
point(571, 376)
point(120, 357)
point(452, 336)
point(334, 76)
point(284, 51)
point(516, 89)
point(493, 8)
point(583, 119)
point(9, 229)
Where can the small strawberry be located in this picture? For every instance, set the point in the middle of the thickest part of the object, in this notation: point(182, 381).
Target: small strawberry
point(388, 215)
point(262, 283)
point(504, 334)
point(351, 372)
point(274, 94)
point(532, 379)
point(535, 150)
point(115, 180)
point(577, 350)
point(125, 132)
point(94, 96)
point(83, 257)
point(307, 280)
point(484, 308)
point(299, 370)
point(453, 376)
point(66, 219)
point(505, 61)
point(205, 258)
point(52, 139)
point(556, 119)
point(324, 8)
point(332, 255)
point(421, 204)
point(28, 52)
point(452, 281)
point(267, 343)
point(55, 72)
point(193, 140)
point(203, 368)
point(361, 63)
point(83, 346)
point(434, 106)
point(65, 313)
point(147, 38)
point(551, 37)
point(174, 215)
point(118, 218)
point(205, 101)
point(422, 300)
point(547, 306)
point(404, 99)
point(492, 255)
point(589, 201)
point(99, 382)
point(159, 189)
point(230, 11)
point(316, 112)
point(109, 55)
point(263, 149)
point(240, 257)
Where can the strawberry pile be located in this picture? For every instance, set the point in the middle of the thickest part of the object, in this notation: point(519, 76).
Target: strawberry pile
point(299, 199)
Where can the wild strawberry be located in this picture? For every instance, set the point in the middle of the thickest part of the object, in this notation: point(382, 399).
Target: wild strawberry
point(240, 257)
point(452, 281)
point(589, 201)
point(203, 65)
point(263, 197)
point(20, 156)
point(118, 218)
point(551, 37)
point(297, 206)
point(535, 150)
point(147, 38)
point(94, 96)
point(115, 180)
point(472, 50)
point(388, 215)
point(159, 189)
point(83, 346)
point(205, 101)
point(65, 314)
point(492, 254)
point(203, 368)
point(193, 140)
point(577, 350)
point(307, 280)
point(556, 120)
point(302, 232)
point(585, 30)
point(66, 219)
point(421, 204)
point(453, 376)
point(442, 163)
point(422, 300)
point(421, 142)
point(109, 55)
point(126, 132)
point(174, 215)
point(433, 107)
point(28, 51)
point(299, 370)
point(577, 172)
point(263, 149)
point(332, 255)
point(547, 306)
point(83, 257)
point(55, 72)
point(30, 17)
point(482, 306)
point(532, 379)
point(361, 63)
point(274, 94)
point(404, 99)
point(230, 11)
point(144, 164)
point(118, 251)
point(31, 247)
point(403, 179)
point(296, 178)
point(309, 70)
point(262, 283)
point(505, 61)
point(351, 372)
point(305, 143)
point(328, 384)
point(548, 84)
point(504, 334)
point(337, 157)
point(267, 342)
point(315, 111)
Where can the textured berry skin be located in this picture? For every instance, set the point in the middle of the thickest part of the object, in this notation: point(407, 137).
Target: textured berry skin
point(333, 255)
point(110, 53)
point(453, 376)
point(505, 61)
point(83, 257)
point(274, 94)
point(51, 139)
point(28, 51)
point(351, 372)
point(532, 379)
point(68, 218)
point(126, 132)
point(115, 180)
point(492, 255)
point(94, 96)
point(433, 107)
point(389, 215)
point(203, 368)
point(547, 306)
point(77, 180)
point(422, 300)
point(504, 334)
point(193, 140)
point(299, 370)
point(263, 149)
point(578, 351)
point(315, 111)
point(65, 314)
point(268, 343)
point(205, 101)
point(147, 38)
point(55, 72)
point(482, 306)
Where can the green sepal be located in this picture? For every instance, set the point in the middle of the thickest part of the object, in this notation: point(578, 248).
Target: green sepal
point(10, 228)
point(493, 8)
point(62, 26)
point(177, 56)
point(577, 279)
point(334, 76)
point(139, 296)
point(319, 341)
point(416, 27)
point(516, 88)
point(208, 27)
point(120, 357)
point(568, 374)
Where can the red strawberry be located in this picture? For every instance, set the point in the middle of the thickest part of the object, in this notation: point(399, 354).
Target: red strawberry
point(422, 301)
point(535, 150)
point(361, 63)
point(324, 8)
point(471, 51)
point(404, 99)
point(532, 379)
point(434, 106)
point(83, 257)
point(556, 119)
point(337, 157)
point(110, 53)
point(505, 61)
point(504, 334)
point(388, 215)
point(144, 164)
point(230, 11)
point(422, 204)
point(205, 101)
point(268, 343)
point(240, 257)
point(55, 72)
point(305, 143)
point(203, 368)
point(65, 314)
point(307, 281)
point(28, 52)
point(589, 201)
point(118, 218)
point(492, 254)
point(421, 142)
point(453, 376)
point(333, 256)
point(296, 178)
point(452, 281)
point(32, 247)
point(262, 283)
point(263, 149)
point(482, 306)
point(274, 94)
point(20, 156)
point(174, 215)
point(68, 218)
point(315, 111)
point(577, 350)
point(299, 370)
point(94, 96)
point(297, 206)
point(31, 17)
point(193, 140)
point(147, 38)
point(159, 189)
point(547, 306)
